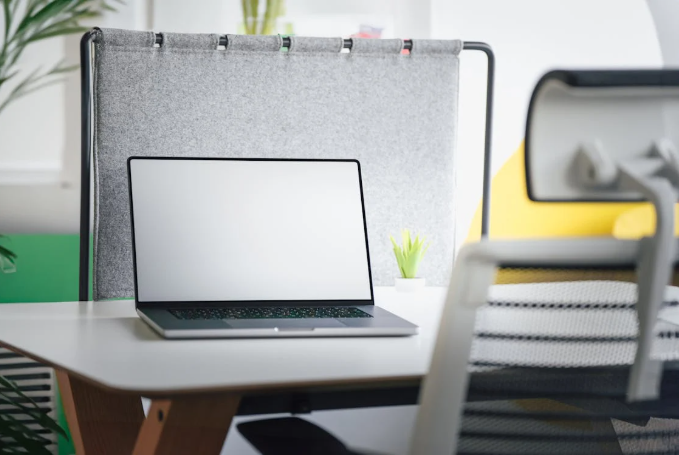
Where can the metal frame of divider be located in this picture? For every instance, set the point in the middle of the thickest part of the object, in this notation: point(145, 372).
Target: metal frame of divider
point(87, 140)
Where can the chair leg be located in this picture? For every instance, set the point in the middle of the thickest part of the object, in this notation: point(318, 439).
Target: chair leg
point(291, 435)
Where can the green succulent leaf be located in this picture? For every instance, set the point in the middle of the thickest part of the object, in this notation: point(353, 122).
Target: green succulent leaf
point(410, 253)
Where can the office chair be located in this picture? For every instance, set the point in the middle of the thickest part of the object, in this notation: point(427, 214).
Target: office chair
point(577, 361)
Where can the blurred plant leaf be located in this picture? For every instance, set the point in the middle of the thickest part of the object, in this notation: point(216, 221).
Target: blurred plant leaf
point(8, 16)
point(50, 10)
point(9, 255)
point(35, 21)
point(20, 435)
point(267, 21)
point(6, 253)
point(7, 261)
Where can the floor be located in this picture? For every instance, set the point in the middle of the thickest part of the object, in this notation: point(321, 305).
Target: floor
point(376, 430)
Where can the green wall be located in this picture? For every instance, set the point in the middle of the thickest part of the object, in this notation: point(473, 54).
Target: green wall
point(47, 271)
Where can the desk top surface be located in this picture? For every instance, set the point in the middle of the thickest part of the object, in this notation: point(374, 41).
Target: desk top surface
point(106, 342)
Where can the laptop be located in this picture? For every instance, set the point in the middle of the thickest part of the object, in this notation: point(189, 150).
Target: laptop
point(231, 248)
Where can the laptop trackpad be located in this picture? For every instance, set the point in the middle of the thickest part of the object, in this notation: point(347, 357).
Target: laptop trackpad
point(286, 324)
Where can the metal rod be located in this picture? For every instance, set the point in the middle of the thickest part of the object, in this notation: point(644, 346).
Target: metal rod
point(85, 157)
point(487, 152)
point(224, 41)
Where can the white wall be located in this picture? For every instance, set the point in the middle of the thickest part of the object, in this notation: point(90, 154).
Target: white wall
point(666, 17)
point(666, 14)
point(200, 16)
point(530, 37)
point(24, 144)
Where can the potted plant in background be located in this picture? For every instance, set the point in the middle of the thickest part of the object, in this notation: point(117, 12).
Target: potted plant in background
point(408, 257)
point(265, 22)
point(24, 423)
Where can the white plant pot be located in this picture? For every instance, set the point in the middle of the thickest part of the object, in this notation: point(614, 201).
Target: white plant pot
point(409, 284)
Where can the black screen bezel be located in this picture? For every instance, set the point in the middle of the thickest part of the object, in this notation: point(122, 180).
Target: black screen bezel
point(241, 303)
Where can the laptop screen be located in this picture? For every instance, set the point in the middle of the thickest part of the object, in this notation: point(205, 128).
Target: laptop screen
point(248, 230)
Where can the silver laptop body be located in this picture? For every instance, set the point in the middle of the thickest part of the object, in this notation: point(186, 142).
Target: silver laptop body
point(231, 248)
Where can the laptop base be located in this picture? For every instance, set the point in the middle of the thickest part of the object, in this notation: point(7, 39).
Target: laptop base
point(383, 323)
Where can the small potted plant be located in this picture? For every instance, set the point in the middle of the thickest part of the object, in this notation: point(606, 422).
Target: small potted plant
point(408, 256)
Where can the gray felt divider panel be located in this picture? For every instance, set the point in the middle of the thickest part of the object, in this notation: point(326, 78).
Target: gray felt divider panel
point(305, 44)
point(190, 41)
point(254, 43)
point(371, 46)
point(436, 47)
point(395, 113)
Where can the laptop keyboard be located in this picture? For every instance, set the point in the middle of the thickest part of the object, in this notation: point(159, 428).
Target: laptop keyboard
point(270, 313)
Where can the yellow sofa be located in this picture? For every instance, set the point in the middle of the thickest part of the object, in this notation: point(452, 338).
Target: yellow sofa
point(513, 215)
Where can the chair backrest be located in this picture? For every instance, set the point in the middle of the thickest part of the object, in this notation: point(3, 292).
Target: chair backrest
point(541, 363)
point(189, 96)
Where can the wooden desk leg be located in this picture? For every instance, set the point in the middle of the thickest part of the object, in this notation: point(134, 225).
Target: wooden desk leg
point(196, 425)
point(101, 422)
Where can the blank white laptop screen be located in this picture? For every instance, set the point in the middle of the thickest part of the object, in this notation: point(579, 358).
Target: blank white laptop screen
point(237, 230)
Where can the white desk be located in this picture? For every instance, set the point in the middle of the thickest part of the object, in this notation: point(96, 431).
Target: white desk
point(106, 343)
point(106, 358)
